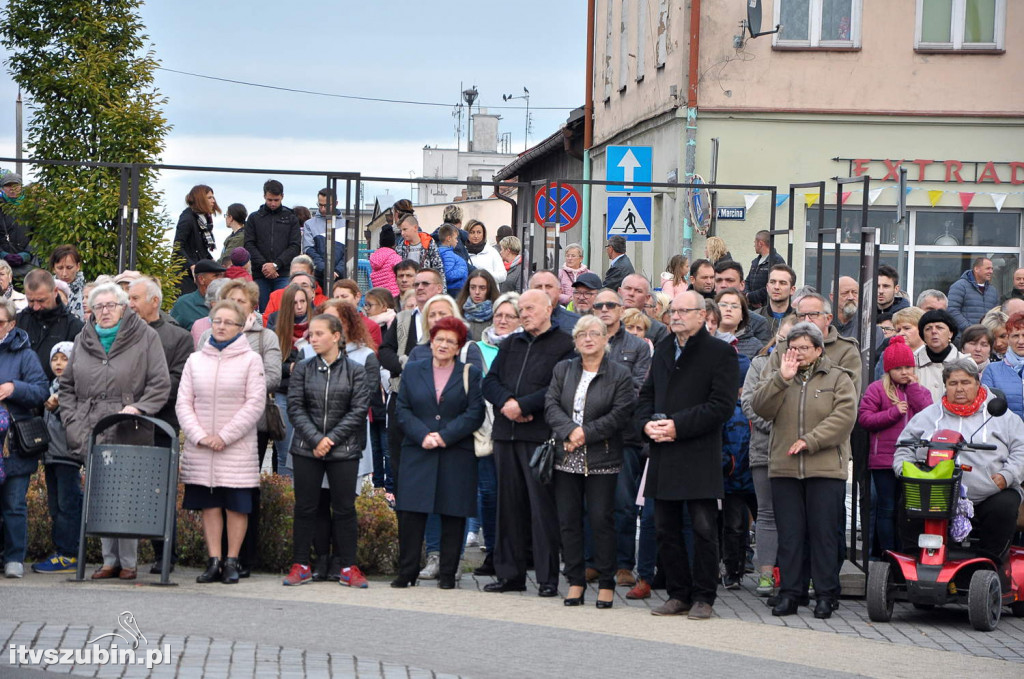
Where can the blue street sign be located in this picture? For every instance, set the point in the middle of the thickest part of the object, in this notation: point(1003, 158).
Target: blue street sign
point(628, 164)
point(630, 216)
point(731, 212)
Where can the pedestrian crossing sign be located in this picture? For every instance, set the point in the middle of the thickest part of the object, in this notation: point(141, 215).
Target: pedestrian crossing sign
point(630, 216)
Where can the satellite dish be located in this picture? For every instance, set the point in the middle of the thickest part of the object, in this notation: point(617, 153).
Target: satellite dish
point(754, 16)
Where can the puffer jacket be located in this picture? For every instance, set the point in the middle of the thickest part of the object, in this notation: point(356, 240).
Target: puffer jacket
point(332, 401)
point(609, 405)
point(968, 302)
point(821, 411)
point(96, 383)
point(1006, 432)
point(760, 428)
point(272, 236)
point(736, 453)
point(456, 270)
point(884, 420)
point(382, 274)
point(1003, 376)
point(20, 366)
point(222, 393)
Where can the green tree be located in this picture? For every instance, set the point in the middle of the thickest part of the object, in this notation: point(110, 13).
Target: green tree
point(89, 76)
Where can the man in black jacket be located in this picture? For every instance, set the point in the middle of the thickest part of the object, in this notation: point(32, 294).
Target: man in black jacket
point(516, 386)
point(272, 237)
point(46, 320)
point(619, 265)
point(689, 395)
point(760, 268)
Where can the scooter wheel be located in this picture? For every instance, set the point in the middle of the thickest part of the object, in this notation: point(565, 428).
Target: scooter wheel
point(880, 591)
point(984, 600)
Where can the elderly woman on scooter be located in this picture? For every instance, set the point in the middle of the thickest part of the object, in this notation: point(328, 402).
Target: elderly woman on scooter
point(993, 482)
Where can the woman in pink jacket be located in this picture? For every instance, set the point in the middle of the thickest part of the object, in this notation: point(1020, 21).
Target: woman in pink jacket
point(220, 399)
point(887, 406)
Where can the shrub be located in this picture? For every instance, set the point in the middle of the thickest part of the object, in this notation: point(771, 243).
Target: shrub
point(378, 532)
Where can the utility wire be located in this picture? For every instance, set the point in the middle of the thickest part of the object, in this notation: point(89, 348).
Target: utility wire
point(352, 96)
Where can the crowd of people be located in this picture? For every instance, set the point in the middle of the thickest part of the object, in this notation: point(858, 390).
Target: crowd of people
point(542, 415)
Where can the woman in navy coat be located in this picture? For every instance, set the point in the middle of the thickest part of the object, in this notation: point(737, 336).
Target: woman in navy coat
point(438, 464)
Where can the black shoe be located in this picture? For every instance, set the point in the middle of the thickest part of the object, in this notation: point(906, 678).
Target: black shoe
point(575, 601)
point(401, 582)
point(243, 570)
point(730, 581)
point(786, 606)
point(155, 569)
point(506, 586)
point(605, 604)
point(824, 607)
point(547, 591)
point(446, 582)
point(212, 573)
point(487, 567)
point(229, 573)
point(320, 569)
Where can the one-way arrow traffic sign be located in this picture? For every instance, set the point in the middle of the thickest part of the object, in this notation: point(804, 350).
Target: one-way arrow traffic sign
point(629, 164)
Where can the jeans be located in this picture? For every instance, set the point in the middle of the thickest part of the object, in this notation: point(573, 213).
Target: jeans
point(382, 475)
point(432, 534)
point(885, 491)
point(64, 500)
point(268, 285)
point(599, 492)
point(626, 509)
point(765, 532)
point(684, 582)
point(487, 499)
point(282, 447)
point(807, 512)
point(341, 476)
point(15, 514)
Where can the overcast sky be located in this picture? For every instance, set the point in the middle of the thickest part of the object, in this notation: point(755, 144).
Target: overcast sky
point(402, 49)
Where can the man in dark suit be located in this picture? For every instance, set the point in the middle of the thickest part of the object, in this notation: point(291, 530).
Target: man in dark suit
point(688, 396)
point(619, 265)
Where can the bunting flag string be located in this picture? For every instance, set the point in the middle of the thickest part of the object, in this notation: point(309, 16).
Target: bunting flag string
point(873, 195)
point(998, 199)
point(965, 199)
point(846, 196)
point(934, 197)
point(780, 200)
point(749, 199)
point(810, 199)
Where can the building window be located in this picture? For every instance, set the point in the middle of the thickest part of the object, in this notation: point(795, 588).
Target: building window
point(818, 23)
point(960, 24)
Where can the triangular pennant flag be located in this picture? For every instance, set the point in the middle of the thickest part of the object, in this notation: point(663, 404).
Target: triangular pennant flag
point(965, 199)
point(846, 196)
point(749, 199)
point(811, 198)
point(909, 189)
point(934, 197)
point(779, 200)
point(873, 195)
point(997, 200)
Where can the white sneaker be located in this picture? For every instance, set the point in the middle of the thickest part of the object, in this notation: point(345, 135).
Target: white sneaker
point(472, 540)
point(429, 571)
point(14, 569)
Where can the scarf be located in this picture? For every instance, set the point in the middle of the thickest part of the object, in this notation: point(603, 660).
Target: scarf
point(1014, 361)
point(299, 330)
point(966, 410)
point(75, 300)
point(805, 373)
point(219, 346)
point(494, 339)
point(477, 311)
point(476, 248)
point(107, 336)
point(206, 228)
point(938, 357)
point(384, 318)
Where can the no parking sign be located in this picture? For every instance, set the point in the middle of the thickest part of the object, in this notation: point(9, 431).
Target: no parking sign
point(564, 207)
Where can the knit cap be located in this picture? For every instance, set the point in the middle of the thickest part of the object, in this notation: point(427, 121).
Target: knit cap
point(897, 354)
point(62, 348)
point(387, 237)
point(239, 256)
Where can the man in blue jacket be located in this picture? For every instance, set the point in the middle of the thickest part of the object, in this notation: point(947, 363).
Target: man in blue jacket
point(973, 294)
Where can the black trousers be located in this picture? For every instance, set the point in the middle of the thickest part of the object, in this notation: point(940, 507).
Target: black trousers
point(682, 582)
point(737, 508)
point(322, 532)
point(395, 437)
point(807, 512)
point(412, 526)
point(341, 477)
point(525, 509)
point(597, 493)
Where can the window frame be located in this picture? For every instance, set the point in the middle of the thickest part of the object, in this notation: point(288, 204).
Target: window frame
point(958, 25)
point(814, 41)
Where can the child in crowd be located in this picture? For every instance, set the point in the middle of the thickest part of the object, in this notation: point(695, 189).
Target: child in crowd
point(739, 503)
point(383, 261)
point(241, 266)
point(887, 406)
point(456, 270)
point(63, 477)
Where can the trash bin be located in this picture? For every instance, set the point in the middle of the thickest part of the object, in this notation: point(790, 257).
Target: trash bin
point(130, 490)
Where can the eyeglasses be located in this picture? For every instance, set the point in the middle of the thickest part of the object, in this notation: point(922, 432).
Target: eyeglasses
point(729, 305)
point(109, 306)
point(505, 317)
point(445, 340)
point(680, 312)
point(801, 348)
point(888, 332)
point(584, 292)
point(222, 321)
point(422, 284)
point(601, 306)
point(6, 321)
point(810, 314)
point(590, 334)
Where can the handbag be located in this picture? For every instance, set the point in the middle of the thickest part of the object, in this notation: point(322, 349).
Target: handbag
point(273, 422)
point(31, 438)
point(542, 462)
point(483, 445)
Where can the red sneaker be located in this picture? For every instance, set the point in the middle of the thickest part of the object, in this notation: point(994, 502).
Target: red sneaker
point(298, 575)
point(353, 577)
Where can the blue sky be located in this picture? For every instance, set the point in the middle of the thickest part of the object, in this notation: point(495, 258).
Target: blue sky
point(402, 49)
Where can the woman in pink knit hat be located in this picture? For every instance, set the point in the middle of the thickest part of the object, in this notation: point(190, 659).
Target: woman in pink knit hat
point(887, 406)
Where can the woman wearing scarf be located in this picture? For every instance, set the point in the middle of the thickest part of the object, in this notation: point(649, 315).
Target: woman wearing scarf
point(193, 237)
point(477, 300)
point(66, 265)
point(812, 406)
point(570, 271)
point(1006, 374)
point(482, 255)
point(992, 477)
point(117, 366)
point(221, 396)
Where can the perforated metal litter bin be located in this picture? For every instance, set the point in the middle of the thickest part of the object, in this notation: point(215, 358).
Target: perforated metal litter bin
point(130, 490)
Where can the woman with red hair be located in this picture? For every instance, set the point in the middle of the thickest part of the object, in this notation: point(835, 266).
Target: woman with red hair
point(1005, 375)
point(438, 461)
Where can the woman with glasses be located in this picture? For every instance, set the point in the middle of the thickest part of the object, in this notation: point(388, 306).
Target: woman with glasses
point(732, 305)
point(117, 366)
point(589, 402)
point(570, 271)
point(812, 406)
point(221, 397)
